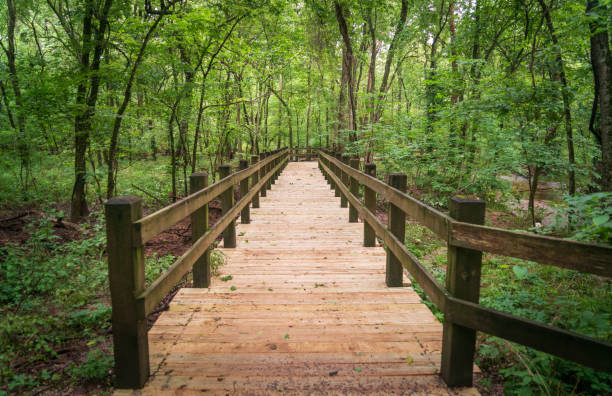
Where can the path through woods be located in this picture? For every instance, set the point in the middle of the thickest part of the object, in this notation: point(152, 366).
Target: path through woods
point(310, 312)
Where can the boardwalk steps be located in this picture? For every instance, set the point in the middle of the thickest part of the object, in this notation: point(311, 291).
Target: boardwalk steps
point(309, 313)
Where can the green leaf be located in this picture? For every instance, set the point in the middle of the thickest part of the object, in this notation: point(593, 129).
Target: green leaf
point(600, 220)
point(520, 272)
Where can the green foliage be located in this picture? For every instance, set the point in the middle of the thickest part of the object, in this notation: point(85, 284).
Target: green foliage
point(47, 289)
point(217, 259)
point(155, 266)
point(97, 366)
point(585, 218)
point(566, 299)
point(462, 108)
point(563, 298)
point(52, 293)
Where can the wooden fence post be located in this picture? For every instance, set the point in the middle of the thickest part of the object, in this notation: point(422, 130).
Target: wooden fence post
point(369, 195)
point(354, 185)
point(327, 177)
point(276, 162)
point(245, 213)
point(397, 226)
point(344, 178)
point(199, 226)
point(272, 165)
point(335, 171)
point(254, 181)
point(127, 279)
point(268, 169)
point(462, 281)
point(330, 165)
point(227, 202)
point(262, 174)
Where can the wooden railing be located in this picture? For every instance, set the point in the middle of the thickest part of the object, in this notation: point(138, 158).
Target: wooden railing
point(467, 238)
point(304, 153)
point(127, 232)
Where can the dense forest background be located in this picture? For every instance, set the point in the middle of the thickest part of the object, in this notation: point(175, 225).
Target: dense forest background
point(508, 100)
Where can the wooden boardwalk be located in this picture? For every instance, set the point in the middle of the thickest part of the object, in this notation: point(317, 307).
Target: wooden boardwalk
point(305, 312)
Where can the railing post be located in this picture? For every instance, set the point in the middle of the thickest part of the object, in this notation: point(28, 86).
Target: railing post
point(245, 213)
point(254, 181)
point(369, 196)
point(276, 162)
point(462, 281)
point(272, 165)
point(227, 202)
point(397, 226)
point(331, 167)
point(262, 174)
point(335, 169)
point(354, 186)
point(199, 226)
point(268, 169)
point(127, 280)
point(322, 161)
point(344, 178)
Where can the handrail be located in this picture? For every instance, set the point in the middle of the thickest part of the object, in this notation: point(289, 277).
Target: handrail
point(149, 226)
point(430, 285)
point(580, 256)
point(149, 299)
point(127, 231)
point(565, 344)
point(433, 219)
point(563, 253)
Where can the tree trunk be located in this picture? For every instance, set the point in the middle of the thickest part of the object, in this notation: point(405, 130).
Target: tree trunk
point(280, 112)
point(22, 141)
point(172, 153)
point(309, 105)
point(601, 60)
point(372, 68)
point(341, 124)
point(559, 75)
point(384, 84)
point(349, 61)
point(86, 102)
point(127, 94)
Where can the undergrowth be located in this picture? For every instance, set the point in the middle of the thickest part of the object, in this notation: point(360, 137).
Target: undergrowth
point(563, 298)
point(55, 308)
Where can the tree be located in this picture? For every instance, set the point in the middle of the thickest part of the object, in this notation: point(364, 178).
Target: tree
point(601, 61)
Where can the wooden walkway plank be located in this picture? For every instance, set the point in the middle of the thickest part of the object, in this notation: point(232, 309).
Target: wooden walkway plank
point(306, 311)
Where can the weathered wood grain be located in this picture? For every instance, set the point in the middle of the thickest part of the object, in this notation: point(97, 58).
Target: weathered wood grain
point(584, 350)
point(162, 285)
point(309, 312)
point(435, 220)
point(579, 256)
point(151, 225)
point(565, 344)
point(430, 285)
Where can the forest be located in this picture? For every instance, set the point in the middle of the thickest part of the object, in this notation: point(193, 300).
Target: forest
point(509, 101)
